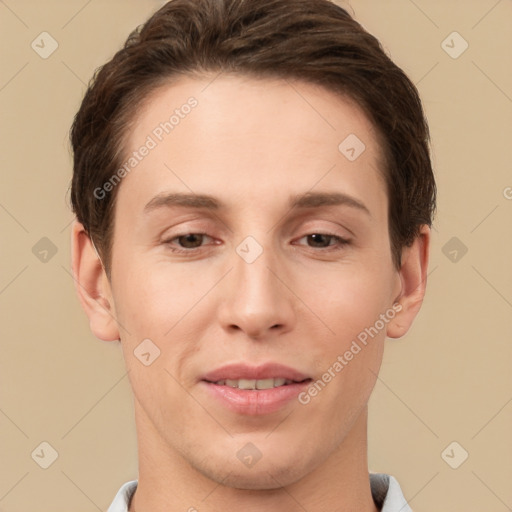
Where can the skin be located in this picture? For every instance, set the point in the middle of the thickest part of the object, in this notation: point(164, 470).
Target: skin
point(251, 144)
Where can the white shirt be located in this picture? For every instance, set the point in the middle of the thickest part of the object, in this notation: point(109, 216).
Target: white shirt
point(385, 489)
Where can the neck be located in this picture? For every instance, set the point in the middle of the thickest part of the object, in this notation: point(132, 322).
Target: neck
point(167, 482)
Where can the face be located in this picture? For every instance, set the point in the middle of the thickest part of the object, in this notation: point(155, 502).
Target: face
point(250, 247)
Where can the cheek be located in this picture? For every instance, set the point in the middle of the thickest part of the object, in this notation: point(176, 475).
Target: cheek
point(347, 359)
point(162, 304)
point(349, 303)
point(152, 298)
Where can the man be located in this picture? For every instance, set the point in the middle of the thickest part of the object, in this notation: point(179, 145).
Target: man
point(253, 192)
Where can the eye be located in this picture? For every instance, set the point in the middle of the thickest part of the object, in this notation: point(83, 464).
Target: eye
point(186, 242)
point(323, 241)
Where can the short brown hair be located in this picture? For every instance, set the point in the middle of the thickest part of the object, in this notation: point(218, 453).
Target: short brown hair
point(311, 40)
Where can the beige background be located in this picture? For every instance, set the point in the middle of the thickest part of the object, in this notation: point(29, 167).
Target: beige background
point(448, 380)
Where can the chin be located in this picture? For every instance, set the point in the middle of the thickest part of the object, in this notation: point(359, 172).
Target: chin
point(257, 481)
point(264, 475)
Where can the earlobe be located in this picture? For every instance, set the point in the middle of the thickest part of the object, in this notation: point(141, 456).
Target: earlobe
point(92, 285)
point(413, 277)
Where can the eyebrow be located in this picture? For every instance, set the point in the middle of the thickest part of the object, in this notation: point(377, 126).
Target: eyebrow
point(307, 200)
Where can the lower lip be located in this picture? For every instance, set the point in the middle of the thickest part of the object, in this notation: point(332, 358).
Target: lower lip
point(253, 402)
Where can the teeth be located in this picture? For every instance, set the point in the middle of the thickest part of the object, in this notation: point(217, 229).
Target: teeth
point(267, 383)
point(254, 383)
point(247, 384)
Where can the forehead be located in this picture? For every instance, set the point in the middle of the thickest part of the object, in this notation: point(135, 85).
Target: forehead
point(235, 136)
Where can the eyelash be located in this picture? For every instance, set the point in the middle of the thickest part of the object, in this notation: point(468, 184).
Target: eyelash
point(340, 242)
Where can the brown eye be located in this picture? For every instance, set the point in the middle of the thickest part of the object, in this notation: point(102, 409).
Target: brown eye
point(326, 241)
point(187, 242)
point(319, 240)
point(191, 240)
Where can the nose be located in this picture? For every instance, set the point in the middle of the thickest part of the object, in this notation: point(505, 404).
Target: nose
point(256, 297)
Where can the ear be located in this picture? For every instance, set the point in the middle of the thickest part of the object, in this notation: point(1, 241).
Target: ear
point(92, 285)
point(413, 277)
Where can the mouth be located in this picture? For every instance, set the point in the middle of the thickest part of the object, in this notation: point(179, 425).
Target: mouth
point(253, 391)
point(245, 374)
point(257, 384)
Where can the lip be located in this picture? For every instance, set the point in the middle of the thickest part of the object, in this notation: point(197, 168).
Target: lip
point(237, 371)
point(254, 402)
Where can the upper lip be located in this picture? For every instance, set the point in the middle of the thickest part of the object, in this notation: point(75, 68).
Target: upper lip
point(237, 371)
